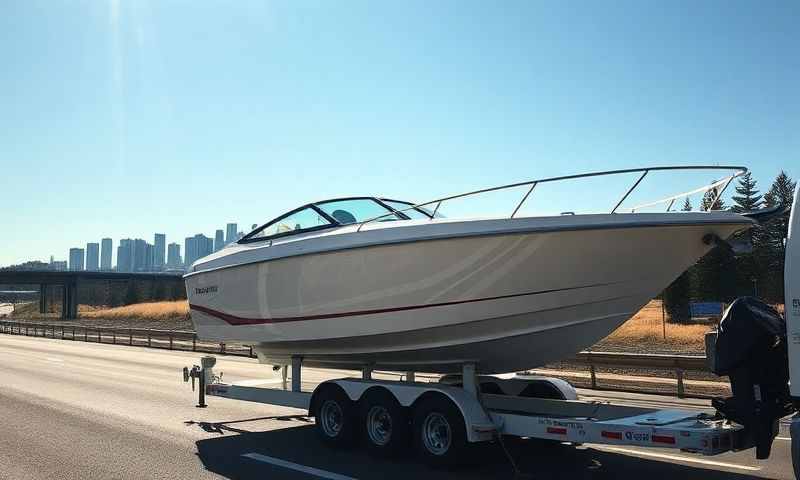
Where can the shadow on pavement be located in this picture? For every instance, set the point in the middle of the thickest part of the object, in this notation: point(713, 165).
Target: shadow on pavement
point(535, 459)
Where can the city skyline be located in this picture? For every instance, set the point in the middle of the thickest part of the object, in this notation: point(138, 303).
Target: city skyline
point(140, 256)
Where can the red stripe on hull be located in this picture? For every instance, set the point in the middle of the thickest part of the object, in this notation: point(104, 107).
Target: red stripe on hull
point(236, 320)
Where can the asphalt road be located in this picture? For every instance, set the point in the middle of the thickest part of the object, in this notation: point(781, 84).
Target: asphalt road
point(78, 410)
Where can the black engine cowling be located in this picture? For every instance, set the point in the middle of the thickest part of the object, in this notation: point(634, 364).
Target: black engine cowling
point(751, 350)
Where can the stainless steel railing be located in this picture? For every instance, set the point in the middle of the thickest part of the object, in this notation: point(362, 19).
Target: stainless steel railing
point(723, 183)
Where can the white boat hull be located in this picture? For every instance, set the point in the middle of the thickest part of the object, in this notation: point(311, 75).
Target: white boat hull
point(504, 301)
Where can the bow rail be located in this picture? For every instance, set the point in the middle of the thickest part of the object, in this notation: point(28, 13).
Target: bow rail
point(723, 182)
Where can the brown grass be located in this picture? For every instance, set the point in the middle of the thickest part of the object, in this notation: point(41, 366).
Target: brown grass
point(144, 311)
point(646, 329)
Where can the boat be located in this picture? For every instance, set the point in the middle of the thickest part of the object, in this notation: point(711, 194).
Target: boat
point(374, 282)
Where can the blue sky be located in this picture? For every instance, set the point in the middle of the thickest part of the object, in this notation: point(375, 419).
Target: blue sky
point(125, 118)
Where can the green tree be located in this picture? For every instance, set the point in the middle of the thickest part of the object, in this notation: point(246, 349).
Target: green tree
point(768, 248)
point(676, 295)
point(748, 199)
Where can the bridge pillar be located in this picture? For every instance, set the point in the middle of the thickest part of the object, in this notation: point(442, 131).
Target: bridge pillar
point(43, 298)
point(64, 302)
point(72, 300)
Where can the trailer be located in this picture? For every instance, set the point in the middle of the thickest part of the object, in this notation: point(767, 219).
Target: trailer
point(440, 418)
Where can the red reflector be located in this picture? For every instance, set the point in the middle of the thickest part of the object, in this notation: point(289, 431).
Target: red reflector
point(614, 435)
point(557, 430)
point(662, 439)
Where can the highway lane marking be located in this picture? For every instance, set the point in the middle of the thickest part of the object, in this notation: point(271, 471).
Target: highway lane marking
point(666, 456)
point(53, 359)
point(297, 467)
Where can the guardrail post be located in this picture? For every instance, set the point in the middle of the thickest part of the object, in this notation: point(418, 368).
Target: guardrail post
point(130, 336)
point(114, 336)
point(98, 336)
point(251, 351)
point(194, 342)
point(62, 332)
point(85, 334)
point(26, 330)
point(679, 374)
point(593, 377)
point(149, 342)
point(170, 339)
point(221, 348)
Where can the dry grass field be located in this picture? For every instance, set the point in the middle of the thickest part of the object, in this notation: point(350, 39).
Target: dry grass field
point(158, 311)
point(645, 332)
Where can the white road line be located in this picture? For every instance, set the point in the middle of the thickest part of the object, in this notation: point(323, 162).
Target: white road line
point(788, 439)
point(53, 359)
point(297, 467)
point(666, 456)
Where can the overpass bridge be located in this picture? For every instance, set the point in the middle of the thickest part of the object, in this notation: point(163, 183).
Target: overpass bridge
point(69, 282)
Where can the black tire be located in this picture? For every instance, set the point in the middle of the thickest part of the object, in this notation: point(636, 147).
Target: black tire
point(335, 416)
point(439, 433)
point(384, 423)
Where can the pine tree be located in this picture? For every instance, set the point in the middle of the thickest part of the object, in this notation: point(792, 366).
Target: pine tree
point(748, 199)
point(676, 295)
point(769, 248)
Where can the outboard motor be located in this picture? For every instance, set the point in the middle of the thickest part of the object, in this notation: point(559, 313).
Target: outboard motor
point(751, 350)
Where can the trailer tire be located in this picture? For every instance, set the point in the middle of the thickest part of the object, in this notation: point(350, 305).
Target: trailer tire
point(440, 435)
point(335, 416)
point(384, 422)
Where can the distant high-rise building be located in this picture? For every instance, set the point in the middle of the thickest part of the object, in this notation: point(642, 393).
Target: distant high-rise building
point(230, 233)
point(189, 251)
point(106, 246)
point(125, 255)
point(219, 240)
point(197, 247)
point(174, 255)
point(142, 256)
point(159, 250)
point(76, 259)
point(93, 257)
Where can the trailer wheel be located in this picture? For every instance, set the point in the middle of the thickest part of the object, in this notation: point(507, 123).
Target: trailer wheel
point(440, 436)
point(385, 423)
point(334, 415)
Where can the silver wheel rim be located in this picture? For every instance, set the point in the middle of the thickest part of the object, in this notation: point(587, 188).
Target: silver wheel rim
point(436, 433)
point(379, 425)
point(331, 418)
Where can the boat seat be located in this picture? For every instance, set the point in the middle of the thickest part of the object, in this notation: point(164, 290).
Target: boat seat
point(343, 216)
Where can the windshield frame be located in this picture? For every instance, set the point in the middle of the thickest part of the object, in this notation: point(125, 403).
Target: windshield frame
point(332, 222)
point(249, 238)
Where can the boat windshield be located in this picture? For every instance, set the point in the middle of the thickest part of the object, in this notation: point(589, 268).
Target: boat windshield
point(294, 222)
point(331, 213)
point(356, 210)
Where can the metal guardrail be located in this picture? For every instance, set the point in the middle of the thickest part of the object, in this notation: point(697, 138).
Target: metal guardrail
point(142, 337)
point(678, 363)
point(187, 341)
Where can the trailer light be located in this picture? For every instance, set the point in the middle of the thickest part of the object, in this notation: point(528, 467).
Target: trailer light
point(557, 430)
point(663, 439)
point(612, 435)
